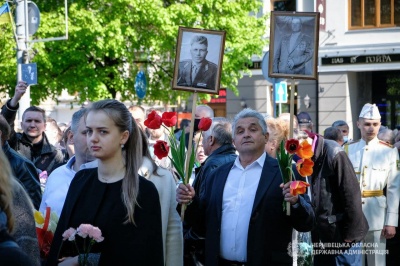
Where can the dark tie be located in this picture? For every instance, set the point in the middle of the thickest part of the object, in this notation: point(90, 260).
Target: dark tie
point(194, 72)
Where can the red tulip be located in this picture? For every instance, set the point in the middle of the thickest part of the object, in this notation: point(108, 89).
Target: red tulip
point(153, 120)
point(292, 146)
point(161, 149)
point(205, 123)
point(169, 119)
point(298, 187)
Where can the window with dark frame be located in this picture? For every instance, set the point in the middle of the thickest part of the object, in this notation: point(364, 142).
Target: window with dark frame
point(367, 14)
point(283, 5)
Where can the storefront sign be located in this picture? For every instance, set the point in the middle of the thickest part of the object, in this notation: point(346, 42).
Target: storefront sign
point(362, 59)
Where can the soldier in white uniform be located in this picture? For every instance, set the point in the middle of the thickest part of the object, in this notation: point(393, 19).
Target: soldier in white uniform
point(376, 164)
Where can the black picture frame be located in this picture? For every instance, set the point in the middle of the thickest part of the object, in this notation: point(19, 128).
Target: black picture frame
point(293, 46)
point(190, 58)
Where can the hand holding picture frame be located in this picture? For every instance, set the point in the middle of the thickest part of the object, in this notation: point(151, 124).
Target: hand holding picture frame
point(198, 61)
point(293, 46)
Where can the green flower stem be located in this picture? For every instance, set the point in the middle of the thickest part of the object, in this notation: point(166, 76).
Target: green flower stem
point(76, 245)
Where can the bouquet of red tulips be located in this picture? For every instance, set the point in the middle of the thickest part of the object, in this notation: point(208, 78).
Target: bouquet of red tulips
point(178, 155)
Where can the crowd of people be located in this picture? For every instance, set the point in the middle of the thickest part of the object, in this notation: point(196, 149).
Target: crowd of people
point(102, 170)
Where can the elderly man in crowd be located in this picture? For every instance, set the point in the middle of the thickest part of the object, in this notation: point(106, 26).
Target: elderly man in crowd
point(241, 213)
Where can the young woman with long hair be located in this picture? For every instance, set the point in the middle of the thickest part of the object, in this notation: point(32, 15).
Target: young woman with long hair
point(113, 197)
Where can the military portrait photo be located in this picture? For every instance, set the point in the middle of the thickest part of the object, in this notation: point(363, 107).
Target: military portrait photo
point(199, 60)
point(294, 45)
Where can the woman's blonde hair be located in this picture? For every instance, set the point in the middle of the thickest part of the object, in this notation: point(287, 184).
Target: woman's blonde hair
point(6, 190)
point(277, 130)
point(132, 151)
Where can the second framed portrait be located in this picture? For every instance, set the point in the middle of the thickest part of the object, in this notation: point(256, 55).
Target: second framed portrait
point(293, 46)
point(198, 61)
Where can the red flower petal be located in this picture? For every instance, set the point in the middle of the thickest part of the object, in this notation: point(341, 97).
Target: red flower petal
point(205, 123)
point(169, 119)
point(292, 146)
point(153, 120)
point(161, 149)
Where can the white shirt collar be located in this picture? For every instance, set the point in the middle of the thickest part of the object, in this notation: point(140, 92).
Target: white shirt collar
point(260, 161)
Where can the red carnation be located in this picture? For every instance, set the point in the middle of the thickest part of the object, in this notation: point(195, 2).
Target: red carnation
point(169, 119)
point(153, 120)
point(292, 146)
point(205, 123)
point(161, 149)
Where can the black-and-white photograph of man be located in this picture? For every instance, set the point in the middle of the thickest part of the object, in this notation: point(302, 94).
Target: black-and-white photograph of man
point(198, 65)
point(294, 45)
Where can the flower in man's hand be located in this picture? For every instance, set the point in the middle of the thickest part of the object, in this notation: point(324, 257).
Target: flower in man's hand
point(305, 167)
point(153, 120)
point(161, 149)
point(292, 146)
point(205, 123)
point(298, 187)
point(169, 119)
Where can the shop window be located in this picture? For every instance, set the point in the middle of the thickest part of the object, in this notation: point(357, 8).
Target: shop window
point(367, 14)
point(283, 5)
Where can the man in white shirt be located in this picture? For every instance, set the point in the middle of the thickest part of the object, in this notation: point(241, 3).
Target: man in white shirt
point(59, 180)
point(241, 213)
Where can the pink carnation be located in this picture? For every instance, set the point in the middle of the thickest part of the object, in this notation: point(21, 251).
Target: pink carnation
point(95, 233)
point(84, 230)
point(69, 234)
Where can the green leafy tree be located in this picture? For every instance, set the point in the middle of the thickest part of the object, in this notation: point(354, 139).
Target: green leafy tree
point(110, 41)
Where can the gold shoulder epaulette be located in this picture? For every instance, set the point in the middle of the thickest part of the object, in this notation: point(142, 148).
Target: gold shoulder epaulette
point(346, 146)
point(386, 144)
point(349, 143)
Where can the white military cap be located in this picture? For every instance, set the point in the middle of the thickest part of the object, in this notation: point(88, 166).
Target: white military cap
point(370, 111)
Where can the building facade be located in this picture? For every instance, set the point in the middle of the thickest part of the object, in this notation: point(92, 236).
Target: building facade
point(358, 62)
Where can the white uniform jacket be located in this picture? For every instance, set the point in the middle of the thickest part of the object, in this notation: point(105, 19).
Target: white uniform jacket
point(377, 165)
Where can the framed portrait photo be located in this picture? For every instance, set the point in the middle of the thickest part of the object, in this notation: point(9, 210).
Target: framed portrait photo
point(293, 45)
point(198, 60)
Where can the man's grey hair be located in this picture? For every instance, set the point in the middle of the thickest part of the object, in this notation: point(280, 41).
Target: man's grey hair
point(76, 117)
point(209, 110)
point(221, 130)
point(199, 39)
point(387, 135)
point(245, 113)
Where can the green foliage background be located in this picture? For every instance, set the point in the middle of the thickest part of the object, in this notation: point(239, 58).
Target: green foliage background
point(109, 41)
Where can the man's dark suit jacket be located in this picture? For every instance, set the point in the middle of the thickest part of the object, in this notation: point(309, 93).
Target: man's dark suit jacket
point(270, 230)
point(205, 78)
point(26, 173)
